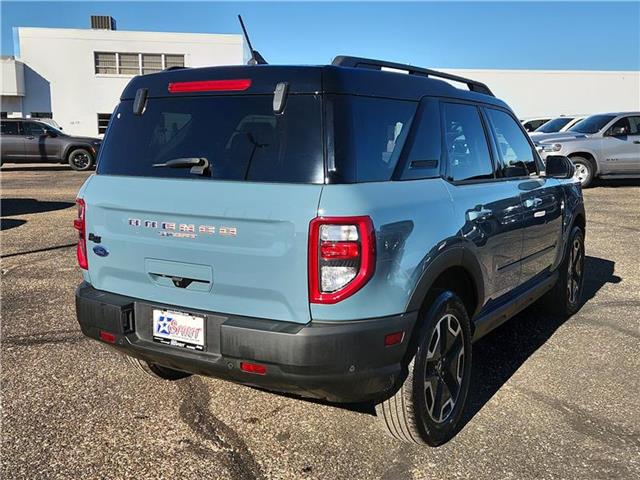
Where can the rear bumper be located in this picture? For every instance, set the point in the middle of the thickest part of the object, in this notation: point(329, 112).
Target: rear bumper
point(339, 361)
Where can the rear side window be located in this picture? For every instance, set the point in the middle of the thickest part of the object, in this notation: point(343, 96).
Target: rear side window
point(240, 136)
point(368, 135)
point(467, 151)
point(515, 151)
point(9, 128)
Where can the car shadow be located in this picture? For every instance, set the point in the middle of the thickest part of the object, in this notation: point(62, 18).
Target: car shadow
point(617, 183)
point(36, 168)
point(10, 207)
point(502, 352)
point(9, 223)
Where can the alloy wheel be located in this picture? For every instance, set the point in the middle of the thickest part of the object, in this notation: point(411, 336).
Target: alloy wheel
point(444, 368)
point(81, 160)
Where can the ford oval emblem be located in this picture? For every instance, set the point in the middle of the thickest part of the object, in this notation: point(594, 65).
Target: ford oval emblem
point(100, 251)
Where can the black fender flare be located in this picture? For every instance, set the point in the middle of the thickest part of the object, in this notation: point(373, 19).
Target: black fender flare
point(455, 256)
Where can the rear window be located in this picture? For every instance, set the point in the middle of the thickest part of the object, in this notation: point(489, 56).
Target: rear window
point(240, 136)
point(368, 135)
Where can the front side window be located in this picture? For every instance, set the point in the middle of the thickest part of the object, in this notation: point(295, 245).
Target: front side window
point(468, 156)
point(34, 129)
point(10, 128)
point(515, 151)
point(592, 124)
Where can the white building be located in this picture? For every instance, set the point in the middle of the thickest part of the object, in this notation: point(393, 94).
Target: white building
point(541, 93)
point(76, 76)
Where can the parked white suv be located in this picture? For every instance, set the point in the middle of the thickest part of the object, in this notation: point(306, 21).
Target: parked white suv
point(605, 145)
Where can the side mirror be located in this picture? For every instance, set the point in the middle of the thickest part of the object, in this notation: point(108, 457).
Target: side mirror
point(559, 166)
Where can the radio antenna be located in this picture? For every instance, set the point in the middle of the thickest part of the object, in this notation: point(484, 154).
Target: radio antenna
point(256, 58)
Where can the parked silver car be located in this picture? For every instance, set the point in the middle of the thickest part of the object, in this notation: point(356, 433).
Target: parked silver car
point(605, 145)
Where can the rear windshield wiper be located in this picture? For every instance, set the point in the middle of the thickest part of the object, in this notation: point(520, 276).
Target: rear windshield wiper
point(198, 165)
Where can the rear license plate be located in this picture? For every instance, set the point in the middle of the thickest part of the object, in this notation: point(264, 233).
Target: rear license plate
point(178, 329)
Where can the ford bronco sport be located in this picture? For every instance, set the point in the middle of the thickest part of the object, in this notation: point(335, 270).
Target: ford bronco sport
point(339, 232)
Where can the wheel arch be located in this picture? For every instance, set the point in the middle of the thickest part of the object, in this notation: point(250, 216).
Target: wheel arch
point(73, 146)
point(589, 156)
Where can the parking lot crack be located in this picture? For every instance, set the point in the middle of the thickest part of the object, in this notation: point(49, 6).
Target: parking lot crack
point(216, 437)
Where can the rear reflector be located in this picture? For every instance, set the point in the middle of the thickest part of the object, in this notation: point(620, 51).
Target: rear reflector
point(253, 368)
point(107, 337)
point(393, 339)
point(80, 225)
point(210, 86)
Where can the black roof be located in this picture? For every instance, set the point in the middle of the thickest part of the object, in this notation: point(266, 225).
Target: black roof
point(340, 78)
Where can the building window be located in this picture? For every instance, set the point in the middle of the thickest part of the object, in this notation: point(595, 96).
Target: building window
point(151, 63)
point(41, 115)
point(128, 64)
point(115, 63)
point(106, 63)
point(3, 114)
point(173, 61)
point(103, 122)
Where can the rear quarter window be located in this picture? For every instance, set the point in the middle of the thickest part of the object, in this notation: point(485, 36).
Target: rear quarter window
point(368, 136)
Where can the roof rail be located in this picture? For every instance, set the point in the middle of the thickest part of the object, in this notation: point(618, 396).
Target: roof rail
point(356, 62)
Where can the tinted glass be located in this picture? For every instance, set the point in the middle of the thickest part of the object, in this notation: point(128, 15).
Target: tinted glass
point(466, 144)
point(516, 154)
point(554, 125)
point(34, 129)
point(592, 124)
point(623, 123)
point(9, 128)
point(368, 136)
point(634, 123)
point(240, 136)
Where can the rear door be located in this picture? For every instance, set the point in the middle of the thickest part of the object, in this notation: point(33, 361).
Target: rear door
point(490, 207)
point(11, 141)
point(541, 198)
point(232, 240)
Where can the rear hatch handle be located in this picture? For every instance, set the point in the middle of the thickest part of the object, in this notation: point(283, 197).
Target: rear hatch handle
point(198, 165)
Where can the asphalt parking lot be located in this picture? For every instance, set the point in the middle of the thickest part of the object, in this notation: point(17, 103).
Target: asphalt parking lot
point(550, 398)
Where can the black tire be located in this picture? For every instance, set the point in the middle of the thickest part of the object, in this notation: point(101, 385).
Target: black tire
point(565, 298)
point(585, 170)
point(155, 370)
point(80, 159)
point(416, 413)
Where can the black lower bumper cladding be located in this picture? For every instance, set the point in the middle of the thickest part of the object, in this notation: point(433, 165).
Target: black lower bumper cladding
point(334, 361)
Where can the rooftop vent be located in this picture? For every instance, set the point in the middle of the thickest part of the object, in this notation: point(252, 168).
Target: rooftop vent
point(103, 22)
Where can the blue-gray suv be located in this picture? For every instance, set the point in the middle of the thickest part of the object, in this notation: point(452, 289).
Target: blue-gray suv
point(341, 232)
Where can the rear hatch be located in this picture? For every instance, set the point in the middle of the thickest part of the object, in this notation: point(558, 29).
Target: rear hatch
point(231, 239)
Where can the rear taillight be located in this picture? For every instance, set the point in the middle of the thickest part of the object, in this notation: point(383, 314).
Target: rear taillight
point(341, 257)
point(80, 225)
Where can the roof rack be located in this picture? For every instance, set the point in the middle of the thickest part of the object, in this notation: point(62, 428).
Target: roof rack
point(356, 62)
